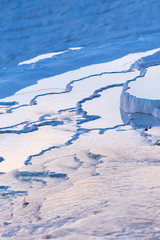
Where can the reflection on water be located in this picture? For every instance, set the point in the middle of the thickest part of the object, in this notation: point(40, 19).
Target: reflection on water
point(85, 169)
point(91, 171)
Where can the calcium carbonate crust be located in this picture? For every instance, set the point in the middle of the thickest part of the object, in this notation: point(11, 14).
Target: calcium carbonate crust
point(132, 104)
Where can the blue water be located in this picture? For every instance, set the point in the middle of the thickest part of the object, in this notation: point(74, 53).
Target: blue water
point(108, 30)
point(30, 28)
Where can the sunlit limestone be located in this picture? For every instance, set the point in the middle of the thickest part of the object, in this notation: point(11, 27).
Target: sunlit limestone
point(143, 96)
point(40, 107)
point(87, 186)
point(41, 57)
point(17, 147)
point(45, 56)
point(103, 107)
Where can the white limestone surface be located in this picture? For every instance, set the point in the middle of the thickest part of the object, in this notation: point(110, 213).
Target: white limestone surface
point(143, 95)
point(68, 176)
